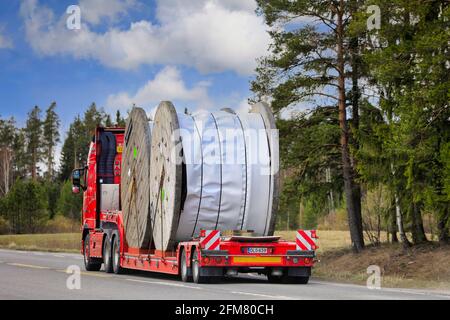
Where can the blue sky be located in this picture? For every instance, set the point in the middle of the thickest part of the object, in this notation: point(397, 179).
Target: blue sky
point(200, 55)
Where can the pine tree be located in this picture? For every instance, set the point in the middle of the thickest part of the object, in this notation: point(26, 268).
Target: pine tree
point(310, 63)
point(7, 132)
point(76, 145)
point(33, 134)
point(50, 138)
point(20, 156)
point(72, 148)
point(108, 121)
point(120, 121)
point(408, 61)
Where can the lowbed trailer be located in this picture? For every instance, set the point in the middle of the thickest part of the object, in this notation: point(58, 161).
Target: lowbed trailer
point(209, 256)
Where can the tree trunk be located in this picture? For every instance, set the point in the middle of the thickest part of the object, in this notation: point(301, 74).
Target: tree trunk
point(50, 163)
point(392, 224)
point(443, 226)
point(399, 218)
point(33, 166)
point(417, 229)
point(356, 94)
point(354, 221)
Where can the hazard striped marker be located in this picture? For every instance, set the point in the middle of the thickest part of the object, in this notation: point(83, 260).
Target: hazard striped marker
point(210, 239)
point(306, 240)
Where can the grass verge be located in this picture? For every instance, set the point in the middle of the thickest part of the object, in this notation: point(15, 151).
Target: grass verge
point(426, 266)
point(60, 242)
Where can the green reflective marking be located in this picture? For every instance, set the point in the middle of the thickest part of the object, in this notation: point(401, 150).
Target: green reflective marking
point(135, 152)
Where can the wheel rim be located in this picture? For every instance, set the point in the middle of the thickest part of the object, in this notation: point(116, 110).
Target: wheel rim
point(106, 254)
point(195, 270)
point(86, 252)
point(195, 267)
point(116, 255)
point(183, 265)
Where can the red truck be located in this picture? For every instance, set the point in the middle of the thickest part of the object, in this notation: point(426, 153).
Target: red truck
point(203, 259)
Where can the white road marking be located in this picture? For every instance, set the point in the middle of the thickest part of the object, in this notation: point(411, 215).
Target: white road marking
point(387, 290)
point(263, 295)
point(165, 283)
point(91, 274)
point(27, 266)
point(59, 256)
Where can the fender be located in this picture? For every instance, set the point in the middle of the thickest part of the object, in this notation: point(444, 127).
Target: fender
point(109, 229)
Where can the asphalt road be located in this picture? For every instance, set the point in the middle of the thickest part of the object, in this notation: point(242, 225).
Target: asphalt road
point(42, 275)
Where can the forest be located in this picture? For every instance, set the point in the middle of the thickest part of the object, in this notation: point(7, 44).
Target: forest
point(35, 195)
point(361, 90)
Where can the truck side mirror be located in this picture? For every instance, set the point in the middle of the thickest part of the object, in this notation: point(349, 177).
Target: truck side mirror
point(75, 190)
point(76, 180)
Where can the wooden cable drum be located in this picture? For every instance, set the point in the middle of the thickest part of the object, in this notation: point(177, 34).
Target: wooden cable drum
point(193, 183)
point(135, 189)
point(165, 176)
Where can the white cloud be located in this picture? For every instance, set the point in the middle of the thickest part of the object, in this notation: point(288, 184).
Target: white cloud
point(167, 85)
point(96, 11)
point(209, 35)
point(5, 43)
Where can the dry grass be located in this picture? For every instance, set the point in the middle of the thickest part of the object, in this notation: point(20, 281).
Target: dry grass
point(328, 240)
point(60, 242)
point(426, 266)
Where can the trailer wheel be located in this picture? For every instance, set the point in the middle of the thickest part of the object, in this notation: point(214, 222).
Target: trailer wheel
point(297, 280)
point(185, 277)
point(274, 279)
point(116, 257)
point(91, 264)
point(287, 279)
point(107, 257)
point(196, 269)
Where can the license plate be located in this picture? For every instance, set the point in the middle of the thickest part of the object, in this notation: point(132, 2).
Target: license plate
point(257, 250)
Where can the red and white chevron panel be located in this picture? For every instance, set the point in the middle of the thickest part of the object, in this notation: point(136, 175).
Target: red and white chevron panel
point(210, 240)
point(306, 240)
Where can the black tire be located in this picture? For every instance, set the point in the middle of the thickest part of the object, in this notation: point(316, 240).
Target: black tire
point(184, 269)
point(196, 269)
point(298, 280)
point(107, 256)
point(117, 269)
point(90, 264)
point(295, 280)
point(274, 279)
point(287, 279)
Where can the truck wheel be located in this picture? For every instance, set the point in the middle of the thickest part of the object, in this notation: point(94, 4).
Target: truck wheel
point(274, 279)
point(296, 280)
point(196, 269)
point(116, 257)
point(107, 258)
point(185, 277)
point(89, 263)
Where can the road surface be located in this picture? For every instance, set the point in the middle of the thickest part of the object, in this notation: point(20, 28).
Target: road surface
point(42, 275)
